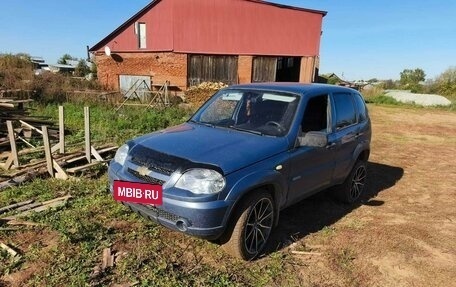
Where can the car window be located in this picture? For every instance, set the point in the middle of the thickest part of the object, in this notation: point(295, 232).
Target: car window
point(345, 110)
point(257, 111)
point(316, 114)
point(361, 106)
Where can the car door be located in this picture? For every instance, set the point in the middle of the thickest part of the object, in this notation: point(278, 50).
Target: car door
point(343, 140)
point(311, 168)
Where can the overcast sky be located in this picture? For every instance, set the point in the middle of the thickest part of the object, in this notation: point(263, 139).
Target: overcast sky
point(361, 39)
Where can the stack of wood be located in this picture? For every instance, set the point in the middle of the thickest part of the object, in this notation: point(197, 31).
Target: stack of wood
point(197, 95)
point(25, 126)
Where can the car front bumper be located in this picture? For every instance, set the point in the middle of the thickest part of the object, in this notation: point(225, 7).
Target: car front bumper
point(203, 219)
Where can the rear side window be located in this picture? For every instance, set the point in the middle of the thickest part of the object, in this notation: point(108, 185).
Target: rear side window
point(345, 110)
point(362, 113)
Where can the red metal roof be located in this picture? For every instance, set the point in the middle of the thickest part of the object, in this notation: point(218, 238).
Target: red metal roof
point(250, 27)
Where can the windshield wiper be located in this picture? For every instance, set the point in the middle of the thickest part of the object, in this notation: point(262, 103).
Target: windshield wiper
point(203, 123)
point(247, 131)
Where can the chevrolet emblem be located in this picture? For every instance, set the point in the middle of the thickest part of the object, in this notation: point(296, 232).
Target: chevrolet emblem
point(142, 170)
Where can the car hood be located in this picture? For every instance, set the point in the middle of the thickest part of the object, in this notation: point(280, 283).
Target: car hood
point(228, 149)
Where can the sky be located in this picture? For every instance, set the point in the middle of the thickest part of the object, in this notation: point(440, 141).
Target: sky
point(361, 40)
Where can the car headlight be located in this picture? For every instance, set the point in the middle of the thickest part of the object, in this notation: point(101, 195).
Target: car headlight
point(201, 181)
point(121, 154)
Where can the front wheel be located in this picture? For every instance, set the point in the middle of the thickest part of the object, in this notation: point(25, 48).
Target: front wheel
point(253, 224)
point(354, 185)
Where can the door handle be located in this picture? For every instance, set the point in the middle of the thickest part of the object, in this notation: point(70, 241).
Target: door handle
point(358, 135)
point(331, 145)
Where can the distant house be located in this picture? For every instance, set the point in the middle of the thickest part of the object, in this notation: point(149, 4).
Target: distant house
point(62, 68)
point(336, 80)
point(39, 65)
point(186, 42)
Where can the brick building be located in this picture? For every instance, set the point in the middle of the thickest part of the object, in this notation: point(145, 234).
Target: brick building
point(187, 42)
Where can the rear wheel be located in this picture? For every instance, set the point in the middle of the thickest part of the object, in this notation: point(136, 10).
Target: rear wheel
point(352, 188)
point(253, 224)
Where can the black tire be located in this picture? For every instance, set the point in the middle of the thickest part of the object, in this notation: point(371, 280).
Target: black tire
point(251, 227)
point(354, 185)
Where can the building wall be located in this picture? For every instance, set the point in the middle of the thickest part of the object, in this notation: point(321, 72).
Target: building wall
point(159, 31)
point(161, 67)
point(223, 27)
point(239, 27)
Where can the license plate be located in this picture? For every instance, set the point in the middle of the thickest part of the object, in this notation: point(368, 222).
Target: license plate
point(136, 192)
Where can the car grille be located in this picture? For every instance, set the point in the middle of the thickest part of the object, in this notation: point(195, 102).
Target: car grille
point(146, 178)
point(162, 214)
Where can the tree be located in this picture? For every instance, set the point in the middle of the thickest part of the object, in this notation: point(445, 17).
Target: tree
point(82, 69)
point(411, 77)
point(65, 58)
point(445, 83)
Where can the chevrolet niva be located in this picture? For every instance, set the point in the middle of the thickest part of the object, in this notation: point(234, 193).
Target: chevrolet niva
point(249, 152)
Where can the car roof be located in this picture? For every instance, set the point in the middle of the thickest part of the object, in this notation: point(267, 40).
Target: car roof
point(297, 88)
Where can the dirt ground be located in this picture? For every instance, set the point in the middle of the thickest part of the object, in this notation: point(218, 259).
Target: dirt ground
point(402, 233)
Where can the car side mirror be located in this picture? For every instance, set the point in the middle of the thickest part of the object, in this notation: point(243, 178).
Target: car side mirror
point(314, 139)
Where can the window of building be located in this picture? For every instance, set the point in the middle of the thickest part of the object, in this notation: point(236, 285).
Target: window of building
point(140, 29)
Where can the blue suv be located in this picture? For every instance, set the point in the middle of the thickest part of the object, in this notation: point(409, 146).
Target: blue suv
point(249, 152)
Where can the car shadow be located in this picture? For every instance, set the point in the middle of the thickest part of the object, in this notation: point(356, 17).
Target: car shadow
point(320, 210)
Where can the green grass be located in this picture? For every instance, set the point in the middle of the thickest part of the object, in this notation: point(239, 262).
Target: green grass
point(70, 242)
point(110, 126)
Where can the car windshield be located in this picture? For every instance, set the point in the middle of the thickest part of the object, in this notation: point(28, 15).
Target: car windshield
point(255, 111)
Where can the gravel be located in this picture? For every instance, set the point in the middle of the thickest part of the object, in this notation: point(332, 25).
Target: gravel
point(418, 99)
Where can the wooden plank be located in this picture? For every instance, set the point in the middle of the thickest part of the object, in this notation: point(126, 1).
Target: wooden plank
point(61, 174)
point(96, 154)
point(56, 147)
point(29, 206)
point(87, 134)
point(14, 206)
point(306, 253)
point(108, 259)
point(8, 249)
point(44, 206)
point(47, 151)
point(30, 126)
point(12, 140)
point(22, 222)
point(61, 130)
point(101, 151)
point(86, 166)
